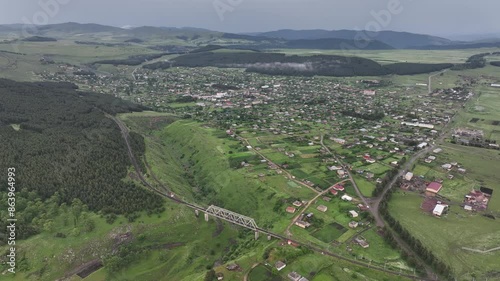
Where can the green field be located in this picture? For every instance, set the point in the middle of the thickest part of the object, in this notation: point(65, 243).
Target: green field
point(263, 273)
point(156, 260)
point(447, 235)
point(329, 232)
point(366, 187)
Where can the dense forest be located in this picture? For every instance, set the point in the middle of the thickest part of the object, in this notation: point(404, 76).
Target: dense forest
point(60, 142)
point(101, 44)
point(133, 60)
point(475, 61)
point(281, 64)
point(134, 40)
point(325, 43)
point(337, 44)
point(39, 39)
point(158, 65)
point(495, 63)
point(416, 68)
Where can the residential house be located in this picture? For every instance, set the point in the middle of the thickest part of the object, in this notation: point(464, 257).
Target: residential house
point(353, 213)
point(294, 276)
point(446, 166)
point(322, 208)
point(439, 209)
point(338, 187)
point(346, 197)
point(232, 267)
point(437, 150)
point(279, 265)
point(362, 242)
point(434, 187)
point(302, 224)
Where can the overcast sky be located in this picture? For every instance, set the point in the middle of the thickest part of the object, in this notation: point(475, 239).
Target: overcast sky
point(440, 17)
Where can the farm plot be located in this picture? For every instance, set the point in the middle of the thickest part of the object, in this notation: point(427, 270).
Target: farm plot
point(329, 233)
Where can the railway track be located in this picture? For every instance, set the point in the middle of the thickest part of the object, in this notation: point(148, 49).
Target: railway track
point(171, 196)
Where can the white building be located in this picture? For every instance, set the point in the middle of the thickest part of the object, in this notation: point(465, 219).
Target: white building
point(346, 197)
point(420, 125)
point(437, 150)
point(353, 214)
point(422, 145)
point(280, 265)
point(439, 209)
point(409, 176)
point(446, 166)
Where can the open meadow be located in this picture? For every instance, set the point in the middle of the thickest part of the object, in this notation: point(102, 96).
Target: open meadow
point(447, 235)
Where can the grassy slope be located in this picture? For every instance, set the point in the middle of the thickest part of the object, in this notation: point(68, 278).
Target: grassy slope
point(183, 137)
point(235, 190)
point(57, 256)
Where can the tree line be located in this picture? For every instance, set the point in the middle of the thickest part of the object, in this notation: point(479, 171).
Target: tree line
point(440, 267)
point(281, 64)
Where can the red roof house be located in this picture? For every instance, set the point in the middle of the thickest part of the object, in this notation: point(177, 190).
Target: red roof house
point(338, 187)
point(434, 187)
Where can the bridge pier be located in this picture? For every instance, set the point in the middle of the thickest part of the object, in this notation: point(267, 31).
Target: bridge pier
point(206, 216)
point(256, 235)
point(196, 213)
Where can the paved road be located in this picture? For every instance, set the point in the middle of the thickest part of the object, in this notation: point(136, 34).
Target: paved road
point(375, 203)
point(402, 170)
point(171, 196)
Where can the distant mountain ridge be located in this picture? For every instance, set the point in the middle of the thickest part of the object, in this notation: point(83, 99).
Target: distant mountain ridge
point(69, 29)
point(286, 38)
point(399, 40)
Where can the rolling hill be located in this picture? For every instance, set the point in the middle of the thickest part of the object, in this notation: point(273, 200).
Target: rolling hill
point(279, 39)
point(399, 40)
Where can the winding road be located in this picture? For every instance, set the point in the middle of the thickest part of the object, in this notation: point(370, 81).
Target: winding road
point(125, 134)
point(375, 203)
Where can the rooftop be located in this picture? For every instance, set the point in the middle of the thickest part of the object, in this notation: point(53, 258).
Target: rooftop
point(434, 187)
